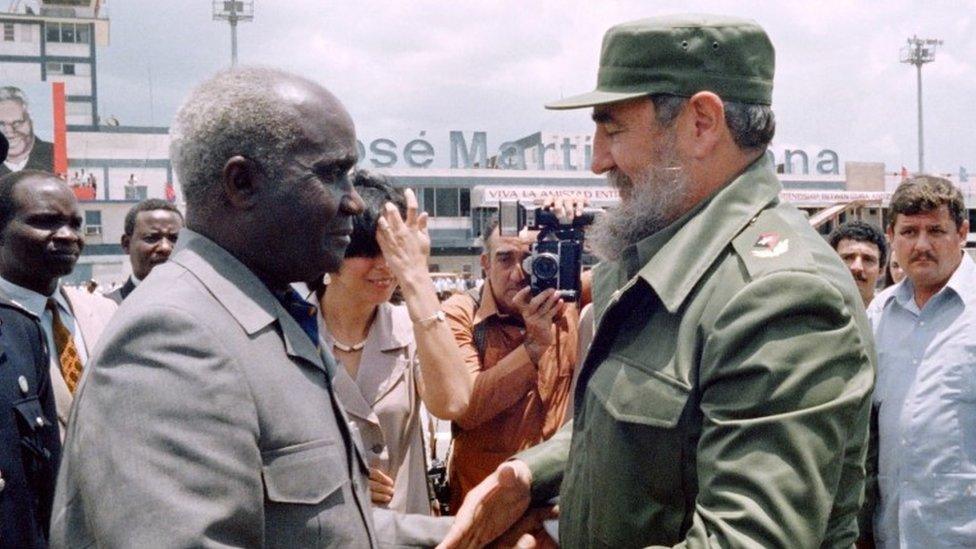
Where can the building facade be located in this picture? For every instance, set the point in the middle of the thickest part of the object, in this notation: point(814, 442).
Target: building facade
point(58, 41)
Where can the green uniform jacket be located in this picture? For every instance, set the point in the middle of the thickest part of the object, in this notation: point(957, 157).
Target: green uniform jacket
point(725, 398)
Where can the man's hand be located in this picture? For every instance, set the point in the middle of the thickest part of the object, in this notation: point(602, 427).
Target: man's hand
point(539, 313)
point(529, 532)
point(491, 508)
point(380, 486)
point(566, 208)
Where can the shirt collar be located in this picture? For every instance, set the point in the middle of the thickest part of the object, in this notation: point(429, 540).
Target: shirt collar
point(962, 279)
point(904, 295)
point(673, 272)
point(31, 301)
point(960, 283)
point(488, 307)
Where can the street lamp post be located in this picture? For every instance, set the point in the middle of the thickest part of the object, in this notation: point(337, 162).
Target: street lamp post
point(233, 11)
point(918, 52)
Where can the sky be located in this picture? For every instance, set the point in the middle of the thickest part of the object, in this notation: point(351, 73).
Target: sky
point(422, 68)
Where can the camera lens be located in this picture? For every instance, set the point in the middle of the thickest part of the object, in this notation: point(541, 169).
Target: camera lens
point(545, 266)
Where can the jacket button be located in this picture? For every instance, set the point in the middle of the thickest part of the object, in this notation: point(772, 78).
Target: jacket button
point(2, 484)
point(24, 388)
point(39, 421)
point(377, 448)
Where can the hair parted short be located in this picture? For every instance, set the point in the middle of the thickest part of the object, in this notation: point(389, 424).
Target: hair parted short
point(926, 193)
point(8, 184)
point(861, 231)
point(147, 205)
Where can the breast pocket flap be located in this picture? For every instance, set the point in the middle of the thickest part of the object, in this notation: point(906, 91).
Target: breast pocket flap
point(634, 395)
point(305, 473)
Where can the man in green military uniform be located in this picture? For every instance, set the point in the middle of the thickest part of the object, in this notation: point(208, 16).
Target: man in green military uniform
point(725, 398)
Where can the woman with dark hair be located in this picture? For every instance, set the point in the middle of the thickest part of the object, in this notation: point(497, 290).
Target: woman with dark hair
point(893, 272)
point(393, 356)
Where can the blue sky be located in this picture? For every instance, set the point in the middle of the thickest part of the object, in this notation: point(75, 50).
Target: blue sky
point(434, 66)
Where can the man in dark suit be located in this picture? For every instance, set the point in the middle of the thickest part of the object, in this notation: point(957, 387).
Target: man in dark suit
point(40, 242)
point(27, 151)
point(207, 416)
point(29, 444)
point(151, 230)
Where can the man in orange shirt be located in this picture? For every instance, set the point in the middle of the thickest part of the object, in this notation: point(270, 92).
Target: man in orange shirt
point(521, 351)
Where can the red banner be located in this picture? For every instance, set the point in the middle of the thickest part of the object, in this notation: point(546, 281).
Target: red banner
point(60, 130)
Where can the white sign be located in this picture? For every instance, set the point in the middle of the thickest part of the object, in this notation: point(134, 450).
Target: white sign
point(825, 198)
point(485, 196)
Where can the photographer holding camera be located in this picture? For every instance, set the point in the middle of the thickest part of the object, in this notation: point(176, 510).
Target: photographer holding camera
point(520, 349)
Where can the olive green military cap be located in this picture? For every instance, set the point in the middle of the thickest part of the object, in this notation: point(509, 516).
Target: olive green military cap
point(682, 55)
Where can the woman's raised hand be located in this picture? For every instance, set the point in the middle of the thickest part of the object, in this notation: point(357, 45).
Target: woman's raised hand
point(405, 244)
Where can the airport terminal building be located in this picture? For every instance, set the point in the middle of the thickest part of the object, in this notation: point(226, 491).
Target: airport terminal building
point(57, 41)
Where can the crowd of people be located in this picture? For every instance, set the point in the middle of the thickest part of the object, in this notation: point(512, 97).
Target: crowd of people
point(728, 377)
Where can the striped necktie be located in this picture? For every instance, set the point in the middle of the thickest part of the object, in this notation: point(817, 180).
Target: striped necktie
point(68, 357)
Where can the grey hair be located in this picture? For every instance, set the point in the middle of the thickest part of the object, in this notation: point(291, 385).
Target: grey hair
point(233, 113)
point(752, 126)
point(12, 93)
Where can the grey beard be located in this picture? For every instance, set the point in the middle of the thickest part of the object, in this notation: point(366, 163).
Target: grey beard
point(645, 208)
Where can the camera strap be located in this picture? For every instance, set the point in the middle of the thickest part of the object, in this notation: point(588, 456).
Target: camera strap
point(480, 332)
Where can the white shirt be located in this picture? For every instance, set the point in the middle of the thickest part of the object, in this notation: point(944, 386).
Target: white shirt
point(36, 304)
point(926, 400)
point(16, 166)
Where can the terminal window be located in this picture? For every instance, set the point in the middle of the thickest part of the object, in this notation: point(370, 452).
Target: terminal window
point(445, 201)
point(61, 68)
point(68, 33)
point(93, 222)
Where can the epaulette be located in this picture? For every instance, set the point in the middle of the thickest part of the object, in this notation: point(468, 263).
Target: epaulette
point(769, 244)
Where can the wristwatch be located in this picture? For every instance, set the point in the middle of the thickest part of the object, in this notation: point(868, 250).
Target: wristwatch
point(438, 316)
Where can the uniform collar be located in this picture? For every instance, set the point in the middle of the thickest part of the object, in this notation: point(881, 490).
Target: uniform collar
point(638, 255)
point(31, 301)
point(706, 231)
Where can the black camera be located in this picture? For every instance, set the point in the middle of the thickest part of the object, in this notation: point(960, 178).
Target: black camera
point(437, 487)
point(557, 254)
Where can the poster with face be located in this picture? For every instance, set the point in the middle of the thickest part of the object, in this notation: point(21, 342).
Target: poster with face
point(27, 122)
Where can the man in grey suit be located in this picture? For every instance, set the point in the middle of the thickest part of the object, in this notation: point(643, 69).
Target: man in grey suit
point(207, 417)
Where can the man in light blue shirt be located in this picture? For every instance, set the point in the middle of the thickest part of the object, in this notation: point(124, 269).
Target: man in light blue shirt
point(925, 395)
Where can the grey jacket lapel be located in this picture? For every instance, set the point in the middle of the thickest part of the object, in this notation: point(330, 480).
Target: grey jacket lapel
point(244, 296)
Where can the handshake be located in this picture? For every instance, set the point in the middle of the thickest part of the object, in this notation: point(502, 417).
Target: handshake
point(497, 512)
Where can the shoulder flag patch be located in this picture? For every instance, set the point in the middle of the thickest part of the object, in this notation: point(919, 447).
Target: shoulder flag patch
point(770, 245)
